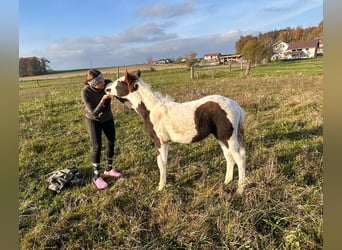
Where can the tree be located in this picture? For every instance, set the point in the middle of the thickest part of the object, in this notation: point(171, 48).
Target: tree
point(257, 49)
point(149, 60)
point(253, 51)
point(297, 34)
point(265, 42)
point(30, 66)
point(242, 42)
point(190, 58)
point(319, 28)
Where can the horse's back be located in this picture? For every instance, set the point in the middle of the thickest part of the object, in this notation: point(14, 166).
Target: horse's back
point(230, 106)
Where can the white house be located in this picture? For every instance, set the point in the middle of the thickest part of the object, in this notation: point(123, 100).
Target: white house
point(295, 50)
point(302, 49)
point(163, 61)
point(212, 57)
point(279, 49)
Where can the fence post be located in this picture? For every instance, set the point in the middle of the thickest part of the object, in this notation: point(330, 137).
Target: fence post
point(248, 68)
point(38, 82)
point(192, 72)
point(117, 73)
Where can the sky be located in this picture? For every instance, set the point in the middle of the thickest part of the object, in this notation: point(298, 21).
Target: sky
point(82, 34)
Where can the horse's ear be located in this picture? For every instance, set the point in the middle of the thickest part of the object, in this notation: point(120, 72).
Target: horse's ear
point(129, 78)
point(126, 76)
point(138, 73)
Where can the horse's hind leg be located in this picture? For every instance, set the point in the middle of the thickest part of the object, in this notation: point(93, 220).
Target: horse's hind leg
point(162, 161)
point(229, 161)
point(239, 155)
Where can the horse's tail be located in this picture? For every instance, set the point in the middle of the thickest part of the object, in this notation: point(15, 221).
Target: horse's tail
point(241, 128)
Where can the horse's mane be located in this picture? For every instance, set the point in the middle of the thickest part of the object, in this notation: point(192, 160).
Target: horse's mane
point(147, 87)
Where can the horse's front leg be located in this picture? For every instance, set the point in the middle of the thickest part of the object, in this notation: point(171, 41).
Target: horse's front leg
point(162, 161)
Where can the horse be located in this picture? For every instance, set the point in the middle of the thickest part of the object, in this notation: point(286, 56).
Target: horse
point(168, 121)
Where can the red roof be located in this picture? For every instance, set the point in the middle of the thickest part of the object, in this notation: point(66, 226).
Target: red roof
point(303, 44)
point(213, 54)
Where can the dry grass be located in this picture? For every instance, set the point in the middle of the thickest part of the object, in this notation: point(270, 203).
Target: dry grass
point(281, 207)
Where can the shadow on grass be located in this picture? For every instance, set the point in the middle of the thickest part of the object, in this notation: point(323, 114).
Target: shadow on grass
point(297, 135)
point(297, 153)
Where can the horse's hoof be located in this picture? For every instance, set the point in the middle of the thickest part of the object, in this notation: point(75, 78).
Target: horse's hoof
point(226, 182)
point(240, 190)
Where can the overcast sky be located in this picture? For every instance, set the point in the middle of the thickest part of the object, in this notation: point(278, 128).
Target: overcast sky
point(75, 34)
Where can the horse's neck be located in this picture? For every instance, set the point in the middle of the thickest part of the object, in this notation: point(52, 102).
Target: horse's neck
point(149, 98)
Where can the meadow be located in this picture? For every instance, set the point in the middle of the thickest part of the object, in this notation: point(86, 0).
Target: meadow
point(281, 208)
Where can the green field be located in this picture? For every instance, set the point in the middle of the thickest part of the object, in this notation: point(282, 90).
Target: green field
point(281, 208)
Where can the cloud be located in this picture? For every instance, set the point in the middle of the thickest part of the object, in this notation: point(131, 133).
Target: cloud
point(133, 35)
point(165, 10)
point(292, 6)
point(103, 52)
point(165, 37)
point(148, 32)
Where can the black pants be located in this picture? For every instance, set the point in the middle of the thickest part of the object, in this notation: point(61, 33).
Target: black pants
point(95, 129)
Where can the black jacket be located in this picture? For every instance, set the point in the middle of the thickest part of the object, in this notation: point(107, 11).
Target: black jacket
point(95, 109)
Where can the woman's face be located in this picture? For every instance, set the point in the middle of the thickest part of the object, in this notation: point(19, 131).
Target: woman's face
point(100, 84)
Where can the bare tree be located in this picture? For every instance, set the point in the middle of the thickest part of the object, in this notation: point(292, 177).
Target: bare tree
point(190, 58)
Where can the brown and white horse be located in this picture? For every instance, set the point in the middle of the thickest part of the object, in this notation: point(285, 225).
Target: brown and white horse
point(166, 120)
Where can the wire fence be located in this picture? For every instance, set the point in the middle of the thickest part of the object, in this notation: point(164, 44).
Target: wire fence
point(196, 72)
point(62, 80)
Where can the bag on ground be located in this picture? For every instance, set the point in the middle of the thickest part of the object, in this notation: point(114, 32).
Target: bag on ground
point(59, 179)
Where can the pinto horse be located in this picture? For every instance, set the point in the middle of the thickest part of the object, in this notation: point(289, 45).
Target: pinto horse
point(166, 120)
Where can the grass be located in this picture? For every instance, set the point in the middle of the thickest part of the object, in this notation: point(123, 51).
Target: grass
point(281, 208)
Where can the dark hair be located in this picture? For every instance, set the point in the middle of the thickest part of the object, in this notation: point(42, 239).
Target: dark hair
point(91, 74)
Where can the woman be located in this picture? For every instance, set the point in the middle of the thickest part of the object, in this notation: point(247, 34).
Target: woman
point(99, 118)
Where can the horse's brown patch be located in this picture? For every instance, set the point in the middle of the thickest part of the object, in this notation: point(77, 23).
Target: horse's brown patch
point(210, 118)
point(145, 113)
point(131, 79)
point(122, 89)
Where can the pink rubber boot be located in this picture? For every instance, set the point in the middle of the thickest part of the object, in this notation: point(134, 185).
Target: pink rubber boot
point(100, 183)
point(112, 173)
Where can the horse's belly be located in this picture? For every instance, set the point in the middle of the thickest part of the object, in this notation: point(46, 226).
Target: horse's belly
point(180, 132)
point(181, 138)
point(177, 124)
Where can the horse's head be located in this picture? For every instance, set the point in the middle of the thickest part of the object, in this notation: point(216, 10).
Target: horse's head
point(125, 85)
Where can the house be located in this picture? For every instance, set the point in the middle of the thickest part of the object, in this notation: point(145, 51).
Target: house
point(295, 50)
point(212, 58)
point(302, 49)
point(279, 49)
point(225, 59)
point(163, 61)
point(320, 50)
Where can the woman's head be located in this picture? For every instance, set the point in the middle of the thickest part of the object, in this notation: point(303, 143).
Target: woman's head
point(94, 78)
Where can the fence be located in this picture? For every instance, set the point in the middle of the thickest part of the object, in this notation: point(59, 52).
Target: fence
point(78, 78)
point(62, 80)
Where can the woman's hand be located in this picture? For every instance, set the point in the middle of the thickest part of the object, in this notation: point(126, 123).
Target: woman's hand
point(106, 97)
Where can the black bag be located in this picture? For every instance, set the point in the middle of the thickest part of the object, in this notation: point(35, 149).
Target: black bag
point(62, 178)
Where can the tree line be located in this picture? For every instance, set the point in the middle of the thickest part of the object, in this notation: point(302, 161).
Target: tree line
point(256, 49)
point(31, 66)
